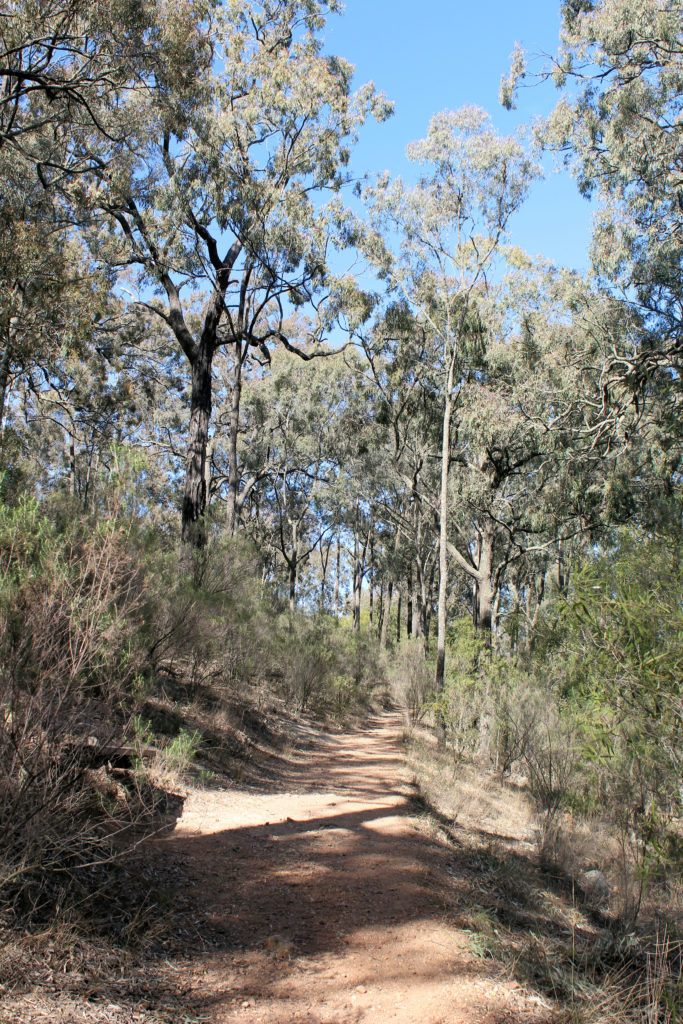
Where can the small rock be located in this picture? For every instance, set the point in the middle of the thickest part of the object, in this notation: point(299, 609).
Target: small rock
point(592, 883)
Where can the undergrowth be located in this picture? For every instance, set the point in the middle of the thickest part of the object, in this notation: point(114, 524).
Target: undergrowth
point(535, 918)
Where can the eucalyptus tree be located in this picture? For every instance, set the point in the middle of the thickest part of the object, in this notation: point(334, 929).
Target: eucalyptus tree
point(218, 205)
point(73, 78)
point(449, 229)
point(293, 440)
point(73, 68)
point(619, 126)
point(399, 364)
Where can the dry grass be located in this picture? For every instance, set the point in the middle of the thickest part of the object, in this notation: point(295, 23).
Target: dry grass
point(529, 914)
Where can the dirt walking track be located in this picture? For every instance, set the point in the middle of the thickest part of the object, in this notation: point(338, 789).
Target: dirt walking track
point(332, 899)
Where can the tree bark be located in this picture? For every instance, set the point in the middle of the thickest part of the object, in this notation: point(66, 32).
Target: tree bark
point(4, 380)
point(562, 582)
point(384, 636)
point(443, 532)
point(484, 589)
point(417, 604)
point(293, 566)
point(194, 497)
point(233, 466)
point(409, 604)
point(337, 582)
point(372, 587)
point(355, 614)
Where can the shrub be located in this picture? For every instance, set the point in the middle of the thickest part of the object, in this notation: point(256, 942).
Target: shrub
point(412, 679)
point(69, 605)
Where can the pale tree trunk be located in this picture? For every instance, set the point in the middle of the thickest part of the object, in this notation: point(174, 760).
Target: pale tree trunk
point(93, 463)
point(538, 592)
point(398, 616)
point(484, 588)
point(417, 606)
point(359, 553)
point(443, 531)
point(427, 605)
point(194, 497)
point(496, 611)
point(384, 636)
point(380, 610)
point(514, 616)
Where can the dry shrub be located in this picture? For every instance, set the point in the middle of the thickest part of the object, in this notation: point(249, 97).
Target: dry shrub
point(325, 667)
point(204, 615)
point(412, 680)
point(68, 608)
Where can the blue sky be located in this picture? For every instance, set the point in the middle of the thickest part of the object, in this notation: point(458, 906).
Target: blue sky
point(430, 55)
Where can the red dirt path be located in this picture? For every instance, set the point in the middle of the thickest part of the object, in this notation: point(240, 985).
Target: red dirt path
point(333, 901)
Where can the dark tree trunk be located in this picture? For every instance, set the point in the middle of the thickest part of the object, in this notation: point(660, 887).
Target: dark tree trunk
point(337, 581)
point(72, 466)
point(561, 580)
point(194, 497)
point(386, 615)
point(356, 581)
point(4, 380)
point(371, 578)
point(293, 568)
point(409, 604)
point(233, 466)
point(325, 549)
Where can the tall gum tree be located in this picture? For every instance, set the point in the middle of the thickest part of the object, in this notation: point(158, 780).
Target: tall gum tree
point(436, 244)
point(224, 207)
point(619, 126)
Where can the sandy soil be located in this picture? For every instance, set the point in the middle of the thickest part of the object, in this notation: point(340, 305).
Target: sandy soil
point(332, 899)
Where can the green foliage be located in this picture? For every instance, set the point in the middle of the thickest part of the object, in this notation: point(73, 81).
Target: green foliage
point(625, 640)
point(180, 751)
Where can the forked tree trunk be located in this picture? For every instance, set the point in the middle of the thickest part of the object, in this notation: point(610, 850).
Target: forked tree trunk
point(194, 496)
